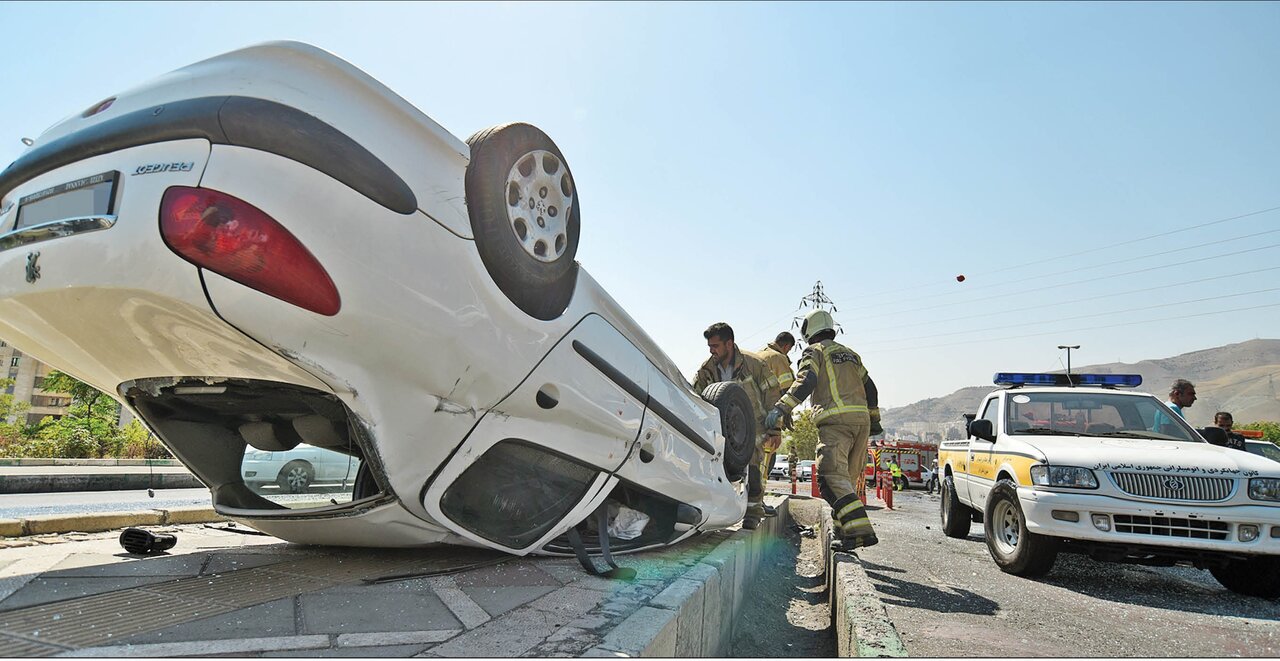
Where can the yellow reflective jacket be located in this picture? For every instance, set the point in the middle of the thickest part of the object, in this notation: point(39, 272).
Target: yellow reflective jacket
point(748, 371)
point(780, 375)
point(836, 383)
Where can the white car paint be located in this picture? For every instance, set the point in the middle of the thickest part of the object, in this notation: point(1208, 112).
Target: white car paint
point(433, 364)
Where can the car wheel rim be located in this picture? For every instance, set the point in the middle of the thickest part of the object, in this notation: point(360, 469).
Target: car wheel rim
point(540, 196)
point(297, 478)
point(1006, 528)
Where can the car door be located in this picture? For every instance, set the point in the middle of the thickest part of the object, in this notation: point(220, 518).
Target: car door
point(979, 471)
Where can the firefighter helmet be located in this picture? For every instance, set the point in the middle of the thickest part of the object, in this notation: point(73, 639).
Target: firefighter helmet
point(815, 322)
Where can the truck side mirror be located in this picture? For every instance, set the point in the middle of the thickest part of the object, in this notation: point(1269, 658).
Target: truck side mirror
point(982, 429)
point(968, 420)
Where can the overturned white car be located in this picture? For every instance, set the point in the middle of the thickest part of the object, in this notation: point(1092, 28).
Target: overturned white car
point(269, 248)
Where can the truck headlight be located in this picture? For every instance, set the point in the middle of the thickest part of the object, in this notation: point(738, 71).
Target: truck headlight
point(1264, 488)
point(1063, 476)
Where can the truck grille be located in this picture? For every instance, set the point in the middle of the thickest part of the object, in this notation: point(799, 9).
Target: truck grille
point(1174, 487)
point(1168, 527)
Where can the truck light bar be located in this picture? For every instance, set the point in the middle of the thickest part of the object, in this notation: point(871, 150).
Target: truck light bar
point(1017, 379)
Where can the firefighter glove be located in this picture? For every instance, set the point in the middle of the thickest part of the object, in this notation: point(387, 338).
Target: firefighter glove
point(876, 428)
point(772, 417)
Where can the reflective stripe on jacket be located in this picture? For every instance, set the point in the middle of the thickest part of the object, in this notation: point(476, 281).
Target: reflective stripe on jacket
point(831, 375)
point(780, 375)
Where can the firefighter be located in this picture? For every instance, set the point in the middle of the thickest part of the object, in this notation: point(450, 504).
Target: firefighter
point(774, 356)
point(727, 363)
point(845, 405)
point(895, 473)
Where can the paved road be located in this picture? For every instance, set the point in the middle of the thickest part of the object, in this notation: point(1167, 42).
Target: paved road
point(19, 505)
point(947, 598)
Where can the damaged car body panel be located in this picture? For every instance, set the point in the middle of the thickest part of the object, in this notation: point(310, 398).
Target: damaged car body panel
point(292, 259)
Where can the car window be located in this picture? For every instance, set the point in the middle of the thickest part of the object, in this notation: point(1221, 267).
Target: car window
point(305, 476)
point(1265, 449)
point(992, 412)
point(1091, 413)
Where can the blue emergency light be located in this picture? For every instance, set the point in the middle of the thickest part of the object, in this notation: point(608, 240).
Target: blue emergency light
point(1018, 379)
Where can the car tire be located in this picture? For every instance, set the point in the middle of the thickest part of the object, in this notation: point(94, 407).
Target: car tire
point(1254, 577)
point(1015, 549)
point(296, 476)
point(524, 212)
point(737, 422)
point(956, 517)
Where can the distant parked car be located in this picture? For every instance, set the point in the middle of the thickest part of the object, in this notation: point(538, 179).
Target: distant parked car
point(781, 468)
point(1263, 449)
point(804, 471)
point(297, 469)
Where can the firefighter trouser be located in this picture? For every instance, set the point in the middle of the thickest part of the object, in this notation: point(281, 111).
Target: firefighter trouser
point(771, 443)
point(755, 482)
point(843, 444)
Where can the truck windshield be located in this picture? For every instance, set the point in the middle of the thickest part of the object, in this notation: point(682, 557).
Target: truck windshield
point(1116, 415)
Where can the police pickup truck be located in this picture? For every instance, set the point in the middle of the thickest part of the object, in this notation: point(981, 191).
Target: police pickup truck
point(1069, 463)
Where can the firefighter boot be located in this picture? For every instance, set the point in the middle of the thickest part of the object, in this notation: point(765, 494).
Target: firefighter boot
point(848, 544)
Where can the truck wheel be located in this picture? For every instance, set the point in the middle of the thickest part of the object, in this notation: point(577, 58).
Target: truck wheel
point(1015, 550)
point(955, 517)
point(296, 476)
point(1255, 577)
point(523, 206)
point(737, 422)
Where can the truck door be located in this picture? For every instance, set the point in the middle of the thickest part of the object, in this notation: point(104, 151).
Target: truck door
point(981, 465)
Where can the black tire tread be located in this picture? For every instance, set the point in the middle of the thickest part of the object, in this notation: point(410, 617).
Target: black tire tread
point(737, 452)
point(541, 290)
point(1035, 554)
point(1254, 577)
point(956, 517)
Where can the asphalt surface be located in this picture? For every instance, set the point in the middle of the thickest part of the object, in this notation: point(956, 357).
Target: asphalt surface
point(947, 599)
point(18, 505)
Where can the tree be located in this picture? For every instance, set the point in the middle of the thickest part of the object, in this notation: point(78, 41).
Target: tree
point(90, 421)
point(1270, 430)
point(802, 438)
point(10, 432)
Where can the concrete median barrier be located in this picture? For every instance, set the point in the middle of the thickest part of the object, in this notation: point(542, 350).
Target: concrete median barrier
point(862, 625)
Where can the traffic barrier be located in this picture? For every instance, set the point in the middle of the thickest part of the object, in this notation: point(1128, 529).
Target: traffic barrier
point(813, 482)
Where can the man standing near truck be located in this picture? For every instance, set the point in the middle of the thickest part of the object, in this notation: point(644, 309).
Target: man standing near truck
point(846, 412)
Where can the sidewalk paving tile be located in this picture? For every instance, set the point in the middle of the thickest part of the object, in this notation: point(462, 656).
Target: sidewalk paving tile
point(269, 620)
point(41, 590)
point(372, 608)
point(495, 601)
point(80, 565)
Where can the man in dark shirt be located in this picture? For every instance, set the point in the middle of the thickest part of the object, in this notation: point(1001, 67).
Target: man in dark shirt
point(1224, 421)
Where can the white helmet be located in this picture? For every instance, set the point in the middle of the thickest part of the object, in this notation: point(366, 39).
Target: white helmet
point(815, 322)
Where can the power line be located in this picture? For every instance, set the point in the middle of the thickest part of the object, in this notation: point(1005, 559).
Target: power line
point(1084, 316)
point(1109, 246)
point(1092, 267)
point(1089, 328)
point(1077, 282)
point(898, 327)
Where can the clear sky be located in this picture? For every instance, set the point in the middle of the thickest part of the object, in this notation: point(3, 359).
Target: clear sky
point(730, 155)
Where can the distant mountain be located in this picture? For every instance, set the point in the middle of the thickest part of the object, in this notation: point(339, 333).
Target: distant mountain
point(1241, 378)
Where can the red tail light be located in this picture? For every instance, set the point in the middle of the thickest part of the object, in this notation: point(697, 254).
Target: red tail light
point(236, 239)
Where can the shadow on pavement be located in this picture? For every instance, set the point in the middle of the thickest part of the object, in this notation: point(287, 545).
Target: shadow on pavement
point(898, 591)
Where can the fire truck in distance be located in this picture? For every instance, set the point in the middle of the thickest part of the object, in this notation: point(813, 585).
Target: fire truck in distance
point(913, 457)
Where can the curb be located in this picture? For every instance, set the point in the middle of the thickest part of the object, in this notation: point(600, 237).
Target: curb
point(862, 625)
point(104, 521)
point(697, 614)
point(10, 484)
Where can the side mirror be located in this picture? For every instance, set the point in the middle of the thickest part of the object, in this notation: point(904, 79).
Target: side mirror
point(982, 429)
point(1215, 435)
